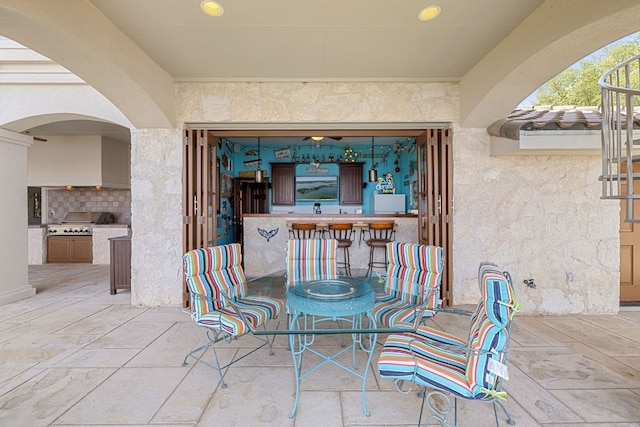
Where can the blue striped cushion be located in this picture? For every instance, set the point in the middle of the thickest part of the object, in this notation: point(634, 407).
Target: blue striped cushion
point(415, 356)
point(407, 357)
point(310, 259)
point(213, 271)
point(497, 296)
point(256, 310)
point(413, 279)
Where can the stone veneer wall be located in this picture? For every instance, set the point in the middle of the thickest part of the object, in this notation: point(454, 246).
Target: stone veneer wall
point(538, 217)
point(61, 202)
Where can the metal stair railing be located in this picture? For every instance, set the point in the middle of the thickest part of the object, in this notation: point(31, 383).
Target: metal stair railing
point(620, 91)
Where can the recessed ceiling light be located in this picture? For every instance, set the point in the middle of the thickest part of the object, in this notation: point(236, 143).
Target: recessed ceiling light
point(211, 8)
point(429, 12)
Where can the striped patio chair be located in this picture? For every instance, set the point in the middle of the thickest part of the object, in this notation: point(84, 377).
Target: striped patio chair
point(449, 366)
point(219, 303)
point(412, 284)
point(312, 259)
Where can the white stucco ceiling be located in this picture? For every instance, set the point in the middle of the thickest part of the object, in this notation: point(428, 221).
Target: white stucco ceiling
point(311, 40)
point(498, 50)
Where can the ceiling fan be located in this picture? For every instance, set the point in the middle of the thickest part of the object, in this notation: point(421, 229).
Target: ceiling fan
point(320, 138)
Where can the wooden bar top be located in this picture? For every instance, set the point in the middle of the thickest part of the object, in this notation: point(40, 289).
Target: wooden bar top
point(332, 217)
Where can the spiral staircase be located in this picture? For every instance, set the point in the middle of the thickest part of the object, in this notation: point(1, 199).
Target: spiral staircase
point(620, 88)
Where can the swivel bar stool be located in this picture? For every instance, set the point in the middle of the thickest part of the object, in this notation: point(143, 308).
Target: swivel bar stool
point(380, 233)
point(343, 233)
point(303, 230)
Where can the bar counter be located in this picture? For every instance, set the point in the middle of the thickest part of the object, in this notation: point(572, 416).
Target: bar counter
point(266, 235)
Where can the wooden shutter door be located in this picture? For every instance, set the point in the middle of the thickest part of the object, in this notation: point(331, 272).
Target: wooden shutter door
point(435, 198)
point(199, 190)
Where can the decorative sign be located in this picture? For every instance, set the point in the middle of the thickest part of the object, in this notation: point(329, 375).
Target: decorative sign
point(252, 163)
point(386, 185)
point(413, 194)
point(226, 161)
point(282, 153)
point(226, 188)
point(268, 234)
point(316, 170)
point(251, 174)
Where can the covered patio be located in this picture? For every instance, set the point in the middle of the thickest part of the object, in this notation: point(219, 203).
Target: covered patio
point(76, 355)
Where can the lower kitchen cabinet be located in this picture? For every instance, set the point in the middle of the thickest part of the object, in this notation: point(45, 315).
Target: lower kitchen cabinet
point(69, 249)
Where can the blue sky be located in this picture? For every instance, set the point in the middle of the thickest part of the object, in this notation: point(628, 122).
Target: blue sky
point(528, 101)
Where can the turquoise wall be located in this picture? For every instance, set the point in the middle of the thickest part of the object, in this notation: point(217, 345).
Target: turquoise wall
point(398, 159)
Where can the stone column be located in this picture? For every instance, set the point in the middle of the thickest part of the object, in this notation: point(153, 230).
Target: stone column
point(14, 284)
point(156, 217)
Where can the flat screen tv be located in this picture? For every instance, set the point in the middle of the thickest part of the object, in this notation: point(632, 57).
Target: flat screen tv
point(316, 188)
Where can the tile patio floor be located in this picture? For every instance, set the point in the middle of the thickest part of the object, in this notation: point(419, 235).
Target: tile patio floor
point(74, 355)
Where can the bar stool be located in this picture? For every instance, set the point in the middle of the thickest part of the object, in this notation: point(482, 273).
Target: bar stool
point(343, 233)
point(302, 230)
point(380, 233)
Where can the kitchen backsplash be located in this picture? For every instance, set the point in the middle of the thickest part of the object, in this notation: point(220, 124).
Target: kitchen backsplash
point(61, 202)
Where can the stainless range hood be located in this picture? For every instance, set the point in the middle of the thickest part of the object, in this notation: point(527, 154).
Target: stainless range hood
point(88, 218)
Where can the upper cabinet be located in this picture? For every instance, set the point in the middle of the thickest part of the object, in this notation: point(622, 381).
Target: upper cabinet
point(79, 161)
point(283, 177)
point(351, 183)
point(283, 190)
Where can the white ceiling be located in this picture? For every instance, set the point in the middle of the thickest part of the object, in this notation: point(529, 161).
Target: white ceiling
point(315, 40)
point(304, 40)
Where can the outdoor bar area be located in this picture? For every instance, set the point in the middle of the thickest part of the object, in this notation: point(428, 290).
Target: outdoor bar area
point(266, 236)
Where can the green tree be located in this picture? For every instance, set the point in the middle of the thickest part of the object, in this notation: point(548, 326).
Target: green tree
point(578, 84)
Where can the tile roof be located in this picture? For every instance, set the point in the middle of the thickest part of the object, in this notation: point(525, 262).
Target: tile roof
point(548, 119)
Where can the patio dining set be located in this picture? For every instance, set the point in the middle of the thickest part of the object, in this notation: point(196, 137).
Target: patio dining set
point(390, 309)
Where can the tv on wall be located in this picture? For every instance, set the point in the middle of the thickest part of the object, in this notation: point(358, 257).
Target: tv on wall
point(316, 188)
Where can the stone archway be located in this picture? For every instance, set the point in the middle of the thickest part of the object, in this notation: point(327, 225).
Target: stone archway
point(548, 41)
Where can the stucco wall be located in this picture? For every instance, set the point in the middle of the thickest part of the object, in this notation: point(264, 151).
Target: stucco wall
point(539, 217)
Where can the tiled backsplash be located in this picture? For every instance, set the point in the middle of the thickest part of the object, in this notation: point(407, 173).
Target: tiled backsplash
point(61, 202)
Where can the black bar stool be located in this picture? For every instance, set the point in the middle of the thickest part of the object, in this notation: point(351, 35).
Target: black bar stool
point(380, 233)
point(343, 233)
point(302, 230)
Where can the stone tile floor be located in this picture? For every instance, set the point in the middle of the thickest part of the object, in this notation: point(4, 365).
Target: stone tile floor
point(74, 355)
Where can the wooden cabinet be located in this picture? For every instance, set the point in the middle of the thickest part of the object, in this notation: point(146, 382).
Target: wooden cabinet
point(283, 176)
point(120, 263)
point(69, 249)
point(351, 183)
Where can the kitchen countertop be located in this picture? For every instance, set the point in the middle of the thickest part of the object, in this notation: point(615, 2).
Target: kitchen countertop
point(330, 216)
point(93, 225)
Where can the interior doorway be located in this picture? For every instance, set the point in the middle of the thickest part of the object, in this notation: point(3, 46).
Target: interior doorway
point(434, 187)
point(249, 197)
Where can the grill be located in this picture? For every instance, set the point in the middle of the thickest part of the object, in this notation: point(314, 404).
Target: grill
point(79, 223)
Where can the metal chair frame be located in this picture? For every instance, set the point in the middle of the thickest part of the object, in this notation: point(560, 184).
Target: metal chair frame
point(216, 335)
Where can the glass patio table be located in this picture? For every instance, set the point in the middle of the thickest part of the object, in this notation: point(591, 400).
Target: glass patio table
point(343, 303)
